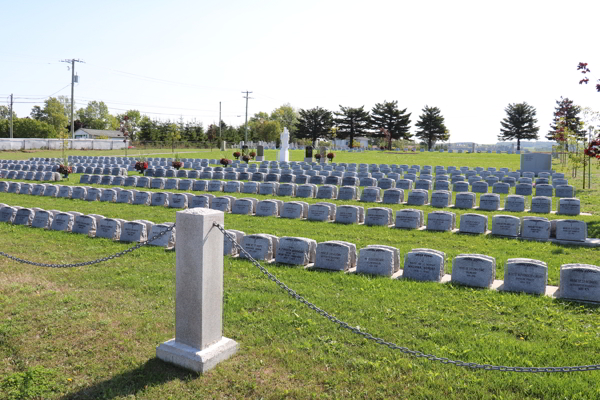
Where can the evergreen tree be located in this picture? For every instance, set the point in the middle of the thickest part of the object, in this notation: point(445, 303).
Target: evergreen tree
point(432, 128)
point(352, 122)
point(386, 117)
point(566, 115)
point(313, 124)
point(519, 123)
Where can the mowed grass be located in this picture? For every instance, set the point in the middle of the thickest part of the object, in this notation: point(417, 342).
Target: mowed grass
point(91, 332)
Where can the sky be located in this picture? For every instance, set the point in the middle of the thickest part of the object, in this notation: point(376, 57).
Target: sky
point(181, 58)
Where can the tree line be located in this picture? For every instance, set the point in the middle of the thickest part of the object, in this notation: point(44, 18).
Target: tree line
point(384, 124)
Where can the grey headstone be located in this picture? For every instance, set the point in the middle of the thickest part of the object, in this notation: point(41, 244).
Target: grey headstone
point(233, 187)
point(393, 196)
point(474, 270)
point(346, 214)
point(535, 228)
point(379, 216)
point(473, 223)
point(167, 240)
point(544, 190)
point(228, 248)
point(441, 198)
point(125, 196)
point(84, 224)
point(489, 201)
point(327, 192)
point(306, 191)
point(541, 205)
point(203, 201)
point(221, 204)
point(296, 251)
point(8, 214)
point(178, 200)
point(506, 225)
point(243, 206)
point(294, 210)
point(267, 208)
point(500, 188)
point(380, 260)
point(409, 218)
point(424, 265)
point(63, 222)
point(571, 229)
point(109, 195)
point(160, 199)
point(525, 275)
point(580, 282)
point(418, 197)
point(215, 186)
point(79, 193)
point(569, 206)
point(134, 231)
point(287, 189)
point(65, 192)
point(348, 193)
point(200, 186)
point(142, 198)
point(335, 255)
point(260, 246)
point(514, 203)
point(441, 221)
point(42, 219)
point(108, 228)
point(268, 188)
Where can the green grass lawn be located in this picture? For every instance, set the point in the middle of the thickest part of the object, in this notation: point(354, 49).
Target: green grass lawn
point(91, 332)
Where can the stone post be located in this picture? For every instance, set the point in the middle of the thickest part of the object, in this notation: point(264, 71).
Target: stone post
point(199, 344)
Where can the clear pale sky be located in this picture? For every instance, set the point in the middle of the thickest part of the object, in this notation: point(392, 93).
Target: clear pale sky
point(180, 58)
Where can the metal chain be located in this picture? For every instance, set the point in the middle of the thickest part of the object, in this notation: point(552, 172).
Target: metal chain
point(99, 260)
point(414, 353)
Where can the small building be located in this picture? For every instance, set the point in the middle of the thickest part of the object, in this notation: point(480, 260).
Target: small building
point(86, 133)
point(364, 142)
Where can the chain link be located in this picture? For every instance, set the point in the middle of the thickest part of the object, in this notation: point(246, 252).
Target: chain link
point(393, 346)
point(99, 260)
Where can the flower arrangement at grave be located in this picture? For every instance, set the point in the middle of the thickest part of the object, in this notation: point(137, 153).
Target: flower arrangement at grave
point(330, 156)
point(246, 158)
point(141, 164)
point(177, 163)
point(65, 169)
point(317, 156)
point(237, 155)
point(252, 154)
point(225, 162)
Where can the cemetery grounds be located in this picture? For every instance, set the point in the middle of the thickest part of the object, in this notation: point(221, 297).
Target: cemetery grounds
point(91, 332)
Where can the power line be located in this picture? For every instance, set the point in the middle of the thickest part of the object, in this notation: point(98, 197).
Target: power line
point(72, 61)
point(246, 123)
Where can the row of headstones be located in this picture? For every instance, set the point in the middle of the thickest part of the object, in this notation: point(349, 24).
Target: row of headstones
point(93, 225)
point(502, 225)
point(537, 228)
point(559, 187)
point(88, 193)
point(31, 175)
point(577, 281)
point(112, 170)
point(417, 197)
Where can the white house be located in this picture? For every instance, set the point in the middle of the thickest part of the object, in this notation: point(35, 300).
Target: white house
point(86, 133)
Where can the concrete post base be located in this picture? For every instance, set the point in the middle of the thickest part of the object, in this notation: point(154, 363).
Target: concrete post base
point(196, 360)
point(260, 158)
